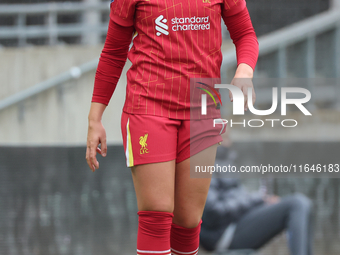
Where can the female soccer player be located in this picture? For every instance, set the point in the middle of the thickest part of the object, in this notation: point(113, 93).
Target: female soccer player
point(176, 41)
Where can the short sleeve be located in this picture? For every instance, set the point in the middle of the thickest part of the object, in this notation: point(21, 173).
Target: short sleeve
point(232, 7)
point(123, 12)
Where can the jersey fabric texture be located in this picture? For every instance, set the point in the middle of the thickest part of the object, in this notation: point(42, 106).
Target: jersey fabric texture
point(175, 41)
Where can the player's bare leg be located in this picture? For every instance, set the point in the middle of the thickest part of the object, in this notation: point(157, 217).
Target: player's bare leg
point(190, 197)
point(154, 185)
point(191, 193)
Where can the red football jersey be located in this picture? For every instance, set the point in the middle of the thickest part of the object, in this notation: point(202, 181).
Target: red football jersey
point(176, 40)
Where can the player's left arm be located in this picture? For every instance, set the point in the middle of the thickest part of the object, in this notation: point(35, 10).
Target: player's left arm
point(237, 19)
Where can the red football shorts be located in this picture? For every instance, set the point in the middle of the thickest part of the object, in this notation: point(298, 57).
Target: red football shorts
point(151, 139)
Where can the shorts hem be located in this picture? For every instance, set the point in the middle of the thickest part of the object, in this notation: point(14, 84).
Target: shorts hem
point(155, 159)
point(192, 152)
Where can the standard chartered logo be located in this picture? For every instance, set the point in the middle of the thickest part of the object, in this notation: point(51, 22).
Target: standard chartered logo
point(190, 23)
point(161, 26)
point(181, 24)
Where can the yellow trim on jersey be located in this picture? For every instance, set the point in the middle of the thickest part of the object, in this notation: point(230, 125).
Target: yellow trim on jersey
point(129, 146)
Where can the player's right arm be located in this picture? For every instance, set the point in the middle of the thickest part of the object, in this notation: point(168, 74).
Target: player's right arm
point(111, 64)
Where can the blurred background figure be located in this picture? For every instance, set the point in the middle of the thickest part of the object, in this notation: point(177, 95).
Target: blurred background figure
point(237, 219)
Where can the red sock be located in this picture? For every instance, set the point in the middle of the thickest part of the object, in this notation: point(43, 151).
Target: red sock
point(154, 233)
point(185, 240)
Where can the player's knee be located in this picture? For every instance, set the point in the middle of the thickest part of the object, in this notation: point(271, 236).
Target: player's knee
point(187, 221)
point(164, 205)
point(157, 208)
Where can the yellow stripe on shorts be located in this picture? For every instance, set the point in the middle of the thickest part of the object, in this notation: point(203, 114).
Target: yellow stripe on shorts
point(128, 152)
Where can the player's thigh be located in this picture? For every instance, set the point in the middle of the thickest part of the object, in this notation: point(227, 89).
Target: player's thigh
point(154, 186)
point(191, 193)
point(150, 149)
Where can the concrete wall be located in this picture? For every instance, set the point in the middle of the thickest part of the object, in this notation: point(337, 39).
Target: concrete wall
point(24, 67)
point(51, 203)
point(58, 115)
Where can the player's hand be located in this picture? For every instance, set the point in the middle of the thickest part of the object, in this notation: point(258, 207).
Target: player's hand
point(243, 80)
point(96, 135)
